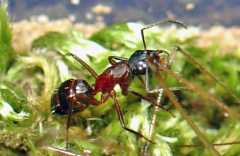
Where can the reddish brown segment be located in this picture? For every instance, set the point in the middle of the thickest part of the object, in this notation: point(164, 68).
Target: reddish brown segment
point(118, 73)
point(74, 94)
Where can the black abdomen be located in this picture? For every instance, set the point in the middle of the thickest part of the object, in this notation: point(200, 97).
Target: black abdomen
point(72, 95)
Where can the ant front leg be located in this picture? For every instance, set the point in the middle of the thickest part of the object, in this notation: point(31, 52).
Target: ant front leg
point(152, 101)
point(125, 90)
point(192, 86)
point(68, 125)
point(174, 101)
point(206, 72)
point(121, 117)
point(159, 91)
point(153, 122)
point(178, 23)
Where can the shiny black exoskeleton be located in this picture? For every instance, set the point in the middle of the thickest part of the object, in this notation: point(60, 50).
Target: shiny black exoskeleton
point(138, 60)
point(73, 95)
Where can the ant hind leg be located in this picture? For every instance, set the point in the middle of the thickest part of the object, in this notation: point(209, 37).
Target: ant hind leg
point(68, 123)
point(205, 71)
point(121, 118)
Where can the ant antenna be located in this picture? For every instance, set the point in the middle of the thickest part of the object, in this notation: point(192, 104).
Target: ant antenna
point(85, 65)
point(159, 23)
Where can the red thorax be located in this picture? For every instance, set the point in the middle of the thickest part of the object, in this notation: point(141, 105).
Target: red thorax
point(118, 73)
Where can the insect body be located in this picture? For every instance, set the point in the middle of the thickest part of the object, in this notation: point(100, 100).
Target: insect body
point(74, 95)
point(118, 73)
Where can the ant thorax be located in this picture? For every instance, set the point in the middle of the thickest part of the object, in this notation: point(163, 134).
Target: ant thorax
point(118, 73)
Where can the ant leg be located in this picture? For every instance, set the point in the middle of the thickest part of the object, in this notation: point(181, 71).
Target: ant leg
point(145, 48)
point(62, 151)
point(205, 71)
point(104, 98)
point(192, 86)
point(153, 121)
point(155, 104)
point(121, 117)
point(157, 90)
point(172, 57)
point(85, 65)
point(112, 59)
point(159, 23)
point(68, 125)
point(201, 92)
point(178, 106)
point(171, 88)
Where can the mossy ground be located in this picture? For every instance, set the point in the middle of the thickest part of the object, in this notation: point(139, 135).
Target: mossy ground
point(29, 79)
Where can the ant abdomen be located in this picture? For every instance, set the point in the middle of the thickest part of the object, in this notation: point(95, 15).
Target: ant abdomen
point(73, 95)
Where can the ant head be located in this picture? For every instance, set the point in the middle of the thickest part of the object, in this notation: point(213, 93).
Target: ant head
point(138, 60)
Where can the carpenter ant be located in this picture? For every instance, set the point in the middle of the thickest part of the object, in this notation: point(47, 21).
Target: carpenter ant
point(76, 95)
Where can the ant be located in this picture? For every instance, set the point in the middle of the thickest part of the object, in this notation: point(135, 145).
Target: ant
point(75, 95)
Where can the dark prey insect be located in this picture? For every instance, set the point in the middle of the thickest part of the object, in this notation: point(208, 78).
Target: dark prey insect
point(76, 95)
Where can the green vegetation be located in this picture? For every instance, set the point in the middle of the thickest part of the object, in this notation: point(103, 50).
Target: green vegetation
point(28, 81)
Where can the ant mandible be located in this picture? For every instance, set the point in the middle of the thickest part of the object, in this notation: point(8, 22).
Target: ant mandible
point(75, 95)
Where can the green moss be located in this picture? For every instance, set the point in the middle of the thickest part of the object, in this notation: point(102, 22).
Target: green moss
point(6, 49)
point(28, 84)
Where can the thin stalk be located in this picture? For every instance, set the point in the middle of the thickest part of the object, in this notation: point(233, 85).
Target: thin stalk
point(178, 106)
